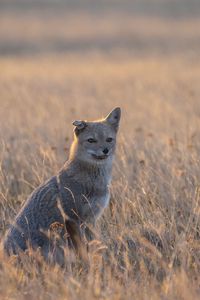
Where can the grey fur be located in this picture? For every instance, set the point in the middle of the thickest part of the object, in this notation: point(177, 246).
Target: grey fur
point(76, 196)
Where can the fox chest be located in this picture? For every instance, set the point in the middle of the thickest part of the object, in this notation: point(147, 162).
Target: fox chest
point(93, 207)
point(84, 202)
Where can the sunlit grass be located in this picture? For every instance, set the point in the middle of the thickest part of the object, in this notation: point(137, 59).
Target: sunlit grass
point(149, 236)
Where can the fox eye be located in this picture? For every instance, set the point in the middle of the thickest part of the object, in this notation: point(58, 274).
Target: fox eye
point(91, 140)
point(109, 140)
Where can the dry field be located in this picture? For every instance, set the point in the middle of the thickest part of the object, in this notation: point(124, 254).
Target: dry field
point(60, 62)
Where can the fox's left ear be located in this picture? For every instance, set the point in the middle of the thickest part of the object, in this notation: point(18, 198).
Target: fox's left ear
point(113, 118)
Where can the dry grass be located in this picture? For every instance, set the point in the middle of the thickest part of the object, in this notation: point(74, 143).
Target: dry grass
point(149, 237)
point(151, 229)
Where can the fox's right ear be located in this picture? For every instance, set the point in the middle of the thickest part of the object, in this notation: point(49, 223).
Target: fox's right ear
point(79, 126)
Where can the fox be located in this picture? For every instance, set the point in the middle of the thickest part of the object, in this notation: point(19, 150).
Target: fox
point(72, 201)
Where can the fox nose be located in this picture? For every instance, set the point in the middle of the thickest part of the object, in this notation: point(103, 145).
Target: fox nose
point(105, 151)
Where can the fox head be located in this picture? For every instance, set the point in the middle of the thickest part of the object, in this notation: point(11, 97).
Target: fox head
point(95, 142)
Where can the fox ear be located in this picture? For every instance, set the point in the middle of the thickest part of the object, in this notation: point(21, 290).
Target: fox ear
point(79, 126)
point(113, 117)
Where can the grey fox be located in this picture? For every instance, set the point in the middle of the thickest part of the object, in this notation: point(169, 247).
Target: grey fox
point(73, 199)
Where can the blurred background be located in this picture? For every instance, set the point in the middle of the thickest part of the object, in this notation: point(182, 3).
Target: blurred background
point(134, 27)
point(62, 60)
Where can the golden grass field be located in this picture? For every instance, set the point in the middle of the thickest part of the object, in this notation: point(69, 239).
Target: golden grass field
point(61, 63)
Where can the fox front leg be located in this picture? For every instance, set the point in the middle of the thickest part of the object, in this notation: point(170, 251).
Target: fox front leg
point(77, 238)
point(90, 232)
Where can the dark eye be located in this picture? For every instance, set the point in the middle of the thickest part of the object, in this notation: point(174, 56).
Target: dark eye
point(109, 140)
point(91, 140)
